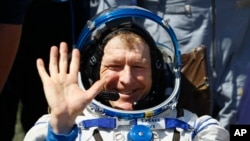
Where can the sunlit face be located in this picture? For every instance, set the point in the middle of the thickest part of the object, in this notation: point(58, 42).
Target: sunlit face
point(126, 67)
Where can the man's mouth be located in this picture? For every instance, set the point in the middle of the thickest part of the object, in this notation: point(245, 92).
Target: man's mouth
point(126, 92)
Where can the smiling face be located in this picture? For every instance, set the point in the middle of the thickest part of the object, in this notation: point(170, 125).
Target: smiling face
point(126, 65)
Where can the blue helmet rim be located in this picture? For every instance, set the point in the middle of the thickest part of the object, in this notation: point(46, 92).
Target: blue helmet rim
point(137, 12)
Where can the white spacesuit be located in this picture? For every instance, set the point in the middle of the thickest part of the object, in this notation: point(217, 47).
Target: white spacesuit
point(189, 127)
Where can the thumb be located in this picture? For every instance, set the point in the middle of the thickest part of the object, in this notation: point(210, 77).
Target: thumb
point(96, 88)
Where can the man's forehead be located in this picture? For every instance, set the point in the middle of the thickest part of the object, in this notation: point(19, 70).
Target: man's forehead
point(120, 43)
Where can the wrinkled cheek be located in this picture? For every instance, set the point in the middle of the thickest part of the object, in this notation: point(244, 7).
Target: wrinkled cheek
point(111, 80)
point(145, 82)
point(108, 75)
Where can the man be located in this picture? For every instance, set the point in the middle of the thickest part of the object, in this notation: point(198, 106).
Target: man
point(121, 69)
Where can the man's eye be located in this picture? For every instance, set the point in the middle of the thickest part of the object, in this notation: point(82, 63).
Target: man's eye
point(115, 67)
point(138, 67)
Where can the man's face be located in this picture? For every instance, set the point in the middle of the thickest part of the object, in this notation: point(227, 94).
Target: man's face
point(127, 70)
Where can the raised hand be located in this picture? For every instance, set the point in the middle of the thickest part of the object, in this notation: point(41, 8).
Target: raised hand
point(64, 96)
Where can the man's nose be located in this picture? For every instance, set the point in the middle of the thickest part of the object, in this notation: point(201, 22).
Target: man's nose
point(126, 75)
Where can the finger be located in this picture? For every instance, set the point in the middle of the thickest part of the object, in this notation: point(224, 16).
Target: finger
point(53, 63)
point(41, 70)
point(96, 88)
point(75, 62)
point(63, 62)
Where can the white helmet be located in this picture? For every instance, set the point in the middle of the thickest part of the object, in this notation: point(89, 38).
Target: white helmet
point(165, 59)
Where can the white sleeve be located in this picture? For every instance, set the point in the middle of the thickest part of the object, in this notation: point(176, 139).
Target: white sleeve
point(207, 128)
point(39, 131)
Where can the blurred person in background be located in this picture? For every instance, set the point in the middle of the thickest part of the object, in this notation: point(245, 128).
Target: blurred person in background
point(12, 13)
point(47, 22)
point(243, 115)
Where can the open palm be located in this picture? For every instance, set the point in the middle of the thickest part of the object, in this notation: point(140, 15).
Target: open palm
point(64, 96)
